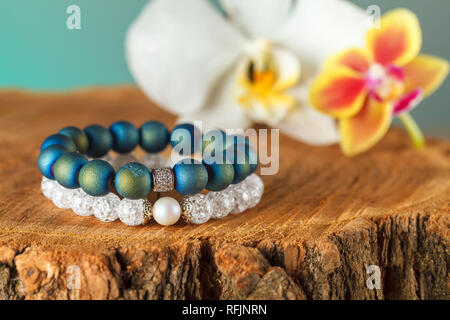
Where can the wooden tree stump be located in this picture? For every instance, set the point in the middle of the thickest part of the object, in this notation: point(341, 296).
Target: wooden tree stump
point(322, 221)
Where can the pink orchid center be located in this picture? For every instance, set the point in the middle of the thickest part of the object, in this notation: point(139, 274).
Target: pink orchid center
point(385, 83)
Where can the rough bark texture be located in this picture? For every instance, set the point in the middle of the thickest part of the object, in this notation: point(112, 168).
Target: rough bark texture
point(323, 220)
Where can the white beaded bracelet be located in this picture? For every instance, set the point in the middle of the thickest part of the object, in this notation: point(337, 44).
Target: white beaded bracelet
point(196, 209)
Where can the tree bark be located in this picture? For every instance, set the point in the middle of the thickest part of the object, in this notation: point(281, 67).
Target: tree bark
point(323, 220)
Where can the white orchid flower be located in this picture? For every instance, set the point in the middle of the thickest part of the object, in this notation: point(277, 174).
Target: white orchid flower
point(245, 67)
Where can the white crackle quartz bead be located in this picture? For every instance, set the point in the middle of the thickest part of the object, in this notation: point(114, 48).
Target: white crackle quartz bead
point(219, 203)
point(48, 186)
point(82, 204)
point(121, 160)
point(105, 208)
point(166, 211)
point(62, 197)
point(200, 212)
point(241, 198)
point(153, 161)
point(131, 212)
point(255, 187)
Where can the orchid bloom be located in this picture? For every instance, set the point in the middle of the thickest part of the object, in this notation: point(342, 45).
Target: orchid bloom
point(365, 88)
point(233, 68)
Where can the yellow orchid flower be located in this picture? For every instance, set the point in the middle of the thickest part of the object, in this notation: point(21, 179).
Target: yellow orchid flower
point(364, 88)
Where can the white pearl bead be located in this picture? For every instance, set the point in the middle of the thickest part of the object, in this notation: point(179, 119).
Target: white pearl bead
point(166, 211)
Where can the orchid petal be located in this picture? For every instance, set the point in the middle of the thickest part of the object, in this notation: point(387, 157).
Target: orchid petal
point(408, 102)
point(268, 103)
point(176, 60)
point(398, 40)
point(310, 126)
point(338, 91)
point(258, 18)
point(316, 29)
point(362, 131)
point(289, 70)
point(426, 72)
point(355, 59)
point(221, 110)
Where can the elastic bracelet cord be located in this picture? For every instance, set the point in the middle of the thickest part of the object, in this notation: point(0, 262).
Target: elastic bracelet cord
point(89, 184)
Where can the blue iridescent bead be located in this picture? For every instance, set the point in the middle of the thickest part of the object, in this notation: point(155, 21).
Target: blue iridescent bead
point(100, 140)
point(212, 140)
point(237, 139)
point(240, 163)
point(252, 158)
point(125, 136)
point(48, 157)
point(78, 137)
point(191, 176)
point(59, 139)
point(242, 144)
point(220, 175)
point(67, 167)
point(186, 138)
point(154, 136)
point(133, 181)
point(96, 178)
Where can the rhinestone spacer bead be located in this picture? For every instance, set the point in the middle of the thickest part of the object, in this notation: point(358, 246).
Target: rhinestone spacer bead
point(147, 209)
point(163, 180)
point(186, 209)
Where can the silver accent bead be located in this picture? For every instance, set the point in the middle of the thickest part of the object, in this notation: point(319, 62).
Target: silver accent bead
point(163, 180)
point(147, 209)
point(186, 209)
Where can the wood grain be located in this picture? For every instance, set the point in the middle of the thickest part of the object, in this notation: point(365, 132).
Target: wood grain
point(322, 221)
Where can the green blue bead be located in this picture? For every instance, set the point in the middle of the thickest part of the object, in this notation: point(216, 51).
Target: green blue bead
point(212, 140)
point(96, 178)
point(59, 139)
point(240, 163)
point(125, 136)
point(242, 144)
point(100, 140)
point(133, 181)
point(154, 136)
point(67, 167)
point(186, 138)
point(78, 137)
point(220, 176)
point(48, 157)
point(191, 176)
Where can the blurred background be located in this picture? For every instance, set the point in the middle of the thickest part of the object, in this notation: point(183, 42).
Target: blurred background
point(38, 52)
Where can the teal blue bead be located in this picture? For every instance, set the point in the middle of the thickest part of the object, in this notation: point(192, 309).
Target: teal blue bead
point(125, 136)
point(100, 140)
point(186, 138)
point(47, 159)
point(240, 163)
point(59, 139)
point(191, 176)
point(96, 178)
point(242, 144)
point(78, 137)
point(133, 181)
point(236, 139)
point(252, 158)
point(212, 141)
point(220, 176)
point(154, 136)
point(67, 168)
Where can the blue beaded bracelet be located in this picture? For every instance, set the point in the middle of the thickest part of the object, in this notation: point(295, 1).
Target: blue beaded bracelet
point(63, 159)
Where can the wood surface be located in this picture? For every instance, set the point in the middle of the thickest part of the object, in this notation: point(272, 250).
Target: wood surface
point(323, 220)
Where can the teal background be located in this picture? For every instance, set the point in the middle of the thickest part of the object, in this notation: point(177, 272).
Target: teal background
point(38, 52)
